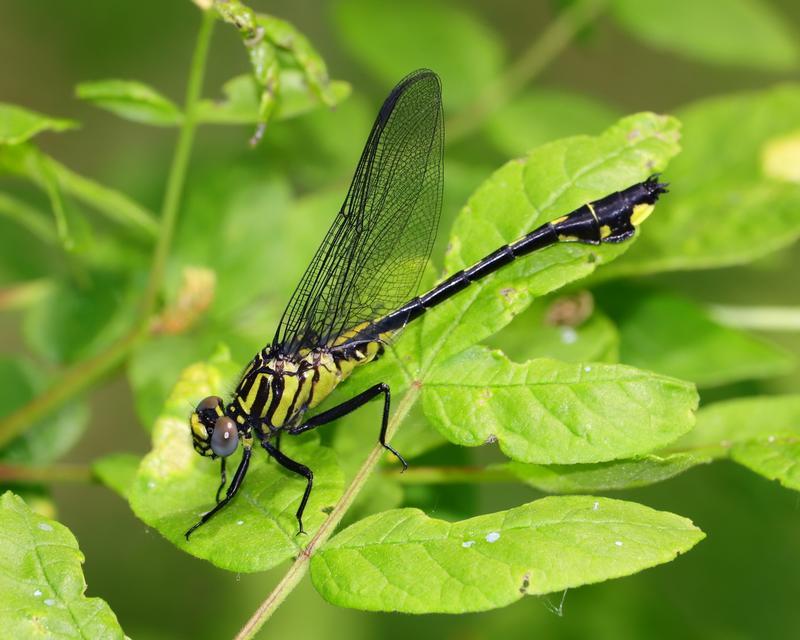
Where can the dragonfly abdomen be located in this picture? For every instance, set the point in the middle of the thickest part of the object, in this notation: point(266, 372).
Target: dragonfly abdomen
point(612, 218)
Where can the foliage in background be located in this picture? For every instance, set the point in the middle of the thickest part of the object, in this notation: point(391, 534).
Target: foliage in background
point(584, 391)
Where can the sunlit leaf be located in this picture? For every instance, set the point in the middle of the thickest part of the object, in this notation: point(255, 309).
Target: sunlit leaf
point(773, 458)
point(552, 181)
point(605, 476)
point(724, 424)
point(403, 560)
point(41, 581)
point(18, 124)
point(549, 412)
point(131, 100)
point(174, 486)
point(746, 33)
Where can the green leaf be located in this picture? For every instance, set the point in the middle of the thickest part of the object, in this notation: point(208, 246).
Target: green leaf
point(548, 412)
point(48, 439)
point(73, 322)
point(41, 583)
point(724, 424)
point(117, 471)
point(761, 433)
point(723, 208)
point(746, 33)
point(26, 160)
point(605, 476)
point(18, 125)
point(536, 333)
point(671, 335)
point(174, 486)
point(773, 458)
point(447, 38)
point(554, 180)
point(405, 561)
point(272, 43)
point(241, 103)
point(131, 100)
point(536, 117)
point(504, 208)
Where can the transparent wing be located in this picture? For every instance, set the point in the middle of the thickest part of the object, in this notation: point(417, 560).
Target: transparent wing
point(371, 259)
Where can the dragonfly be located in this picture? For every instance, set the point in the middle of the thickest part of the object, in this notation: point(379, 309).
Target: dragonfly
point(360, 289)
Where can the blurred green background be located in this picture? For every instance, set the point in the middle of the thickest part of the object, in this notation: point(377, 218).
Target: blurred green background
point(742, 582)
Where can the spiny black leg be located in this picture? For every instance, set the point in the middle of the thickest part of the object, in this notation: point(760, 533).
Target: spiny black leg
point(385, 426)
point(292, 465)
point(348, 406)
point(241, 470)
point(223, 479)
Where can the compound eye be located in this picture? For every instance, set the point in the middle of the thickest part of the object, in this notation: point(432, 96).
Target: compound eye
point(211, 402)
point(225, 437)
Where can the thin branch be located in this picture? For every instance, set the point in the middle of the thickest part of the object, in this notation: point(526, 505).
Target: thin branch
point(25, 294)
point(63, 472)
point(764, 318)
point(180, 164)
point(79, 377)
point(29, 217)
point(300, 566)
point(554, 40)
point(72, 382)
point(452, 475)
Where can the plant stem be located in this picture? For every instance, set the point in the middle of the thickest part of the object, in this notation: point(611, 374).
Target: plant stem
point(300, 566)
point(115, 205)
point(77, 378)
point(29, 217)
point(25, 294)
point(452, 475)
point(79, 473)
point(180, 163)
point(555, 39)
point(764, 318)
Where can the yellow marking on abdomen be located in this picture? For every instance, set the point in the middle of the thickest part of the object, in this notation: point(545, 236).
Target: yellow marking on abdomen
point(640, 213)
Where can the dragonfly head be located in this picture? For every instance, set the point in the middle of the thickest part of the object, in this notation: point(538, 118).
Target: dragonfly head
point(213, 433)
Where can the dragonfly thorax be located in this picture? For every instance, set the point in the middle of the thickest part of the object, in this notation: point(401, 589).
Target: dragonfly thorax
point(275, 391)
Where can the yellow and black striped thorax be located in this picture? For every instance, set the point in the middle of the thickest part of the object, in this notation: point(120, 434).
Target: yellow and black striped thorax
point(276, 390)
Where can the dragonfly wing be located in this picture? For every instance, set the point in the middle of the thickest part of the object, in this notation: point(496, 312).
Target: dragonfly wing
point(371, 260)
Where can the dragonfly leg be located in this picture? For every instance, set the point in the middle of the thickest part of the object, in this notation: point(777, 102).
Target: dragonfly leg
point(292, 465)
point(348, 406)
point(223, 479)
point(241, 470)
